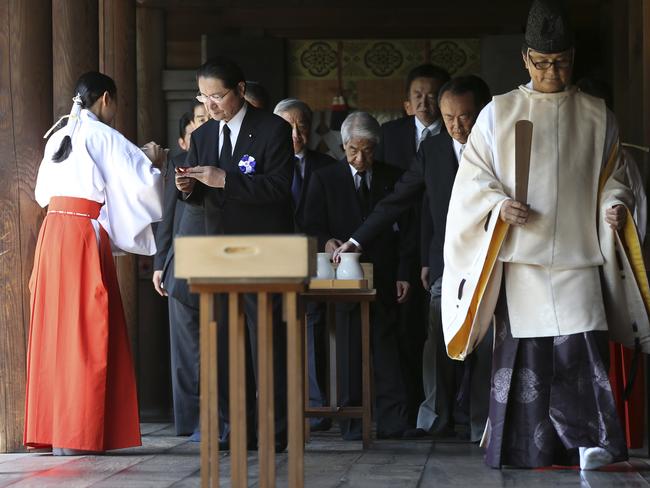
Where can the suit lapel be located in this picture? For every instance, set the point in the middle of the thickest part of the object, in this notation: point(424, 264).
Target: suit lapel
point(449, 155)
point(377, 184)
point(307, 176)
point(212, 144)
point(347, 181)
point(409, 135)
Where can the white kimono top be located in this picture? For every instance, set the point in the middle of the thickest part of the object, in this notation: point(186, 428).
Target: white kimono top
point(107, 168)
point(551, 265)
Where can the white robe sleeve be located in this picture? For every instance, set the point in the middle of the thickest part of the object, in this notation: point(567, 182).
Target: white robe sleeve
point(133, 195)
point(472, 232)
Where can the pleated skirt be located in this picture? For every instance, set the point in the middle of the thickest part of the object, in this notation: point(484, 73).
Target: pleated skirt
point(81, 390)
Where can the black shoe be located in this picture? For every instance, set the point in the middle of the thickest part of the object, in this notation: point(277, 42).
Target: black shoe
point(398, 434)
point(323, 425)
point(415, 434)
point(224, 445)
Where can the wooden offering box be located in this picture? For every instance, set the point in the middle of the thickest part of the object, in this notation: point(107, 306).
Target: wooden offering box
point(245, 256)
point(364, 284)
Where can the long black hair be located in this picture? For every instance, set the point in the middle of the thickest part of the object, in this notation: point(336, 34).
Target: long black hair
point(90, 87)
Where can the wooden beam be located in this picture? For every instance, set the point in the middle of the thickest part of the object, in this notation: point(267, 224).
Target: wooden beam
point(26, 101)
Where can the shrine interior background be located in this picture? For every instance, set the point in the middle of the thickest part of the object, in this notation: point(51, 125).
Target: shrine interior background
point(311, 49)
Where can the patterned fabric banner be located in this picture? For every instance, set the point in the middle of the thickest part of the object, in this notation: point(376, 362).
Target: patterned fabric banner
point(373, 72)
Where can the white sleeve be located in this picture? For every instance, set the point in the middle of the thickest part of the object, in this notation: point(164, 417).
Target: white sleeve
point(133, 195)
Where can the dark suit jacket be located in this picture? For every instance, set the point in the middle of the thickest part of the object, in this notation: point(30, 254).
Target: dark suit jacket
point(172, 210)
point(314, 160)
point(397, 144)
point(249, 204)
point(332, 211)
point(179, 219)
point(434, 170)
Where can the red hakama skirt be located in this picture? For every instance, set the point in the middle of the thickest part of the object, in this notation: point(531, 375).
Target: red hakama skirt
point(81, 391)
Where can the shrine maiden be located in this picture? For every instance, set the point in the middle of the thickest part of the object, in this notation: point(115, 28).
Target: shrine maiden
point(102, 193)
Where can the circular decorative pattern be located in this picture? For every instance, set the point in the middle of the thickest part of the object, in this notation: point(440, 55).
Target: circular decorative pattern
point(449, 55)
point(543, 431)
point(525, 385)
point(383, 59)
point(501, 333)
point(559, 340)
point(559, 421)
point(603, 420)
point(319, 59)
point(501, 384)
point(601, 377)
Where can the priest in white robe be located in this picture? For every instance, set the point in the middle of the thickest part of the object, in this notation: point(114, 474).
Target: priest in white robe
point(537, 265)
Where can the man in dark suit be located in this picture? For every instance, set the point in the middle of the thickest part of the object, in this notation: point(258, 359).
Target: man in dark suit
point(240, 167)
point(183, 306)
point(339, 199)
point(400, 140)
point(298, 114)
point(433, 172)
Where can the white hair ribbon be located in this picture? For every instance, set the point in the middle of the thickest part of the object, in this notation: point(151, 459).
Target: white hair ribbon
point(73, 118)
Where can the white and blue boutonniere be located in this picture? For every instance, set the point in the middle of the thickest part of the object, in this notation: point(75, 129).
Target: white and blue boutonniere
point(247, 164)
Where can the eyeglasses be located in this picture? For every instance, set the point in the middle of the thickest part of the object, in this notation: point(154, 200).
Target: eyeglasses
point(215, 98)
point(562, 63)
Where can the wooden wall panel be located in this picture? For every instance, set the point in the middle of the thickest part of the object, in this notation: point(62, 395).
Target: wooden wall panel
point(25, 115)
point(75, 46)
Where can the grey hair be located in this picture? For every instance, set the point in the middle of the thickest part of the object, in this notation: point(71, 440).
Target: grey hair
point(360, 125)
point(289, 104)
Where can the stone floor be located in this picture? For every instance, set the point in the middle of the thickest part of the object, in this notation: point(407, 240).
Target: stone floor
point(168, 461)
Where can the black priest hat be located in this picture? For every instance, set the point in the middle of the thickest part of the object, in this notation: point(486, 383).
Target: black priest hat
point(548, 30)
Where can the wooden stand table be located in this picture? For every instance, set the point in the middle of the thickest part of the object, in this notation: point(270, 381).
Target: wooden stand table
point(332, 296)
point(209, 288)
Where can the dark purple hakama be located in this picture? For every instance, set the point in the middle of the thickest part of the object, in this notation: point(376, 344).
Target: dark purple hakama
point(549, 396)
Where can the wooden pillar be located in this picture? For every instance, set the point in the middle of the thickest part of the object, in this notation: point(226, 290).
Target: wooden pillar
point(150, 42)
point(645, 84)
point(631, 77)
point(153, 340)
point(117, 60)
point(26, 101)
point(75, 46)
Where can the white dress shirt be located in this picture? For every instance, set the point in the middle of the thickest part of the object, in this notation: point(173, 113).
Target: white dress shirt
point(301, 163)
point(234, 125)
point(434, 129)
point(458, 149)
point(357, 178)
point(357, 182)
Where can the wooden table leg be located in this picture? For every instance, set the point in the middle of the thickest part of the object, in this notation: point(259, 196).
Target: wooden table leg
point(208, 395)
point(331, 336)
point(304, 323)
point(214, 394)
point(266, 417)
point(295, 411)
point(237, 391)
point(366, 401)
